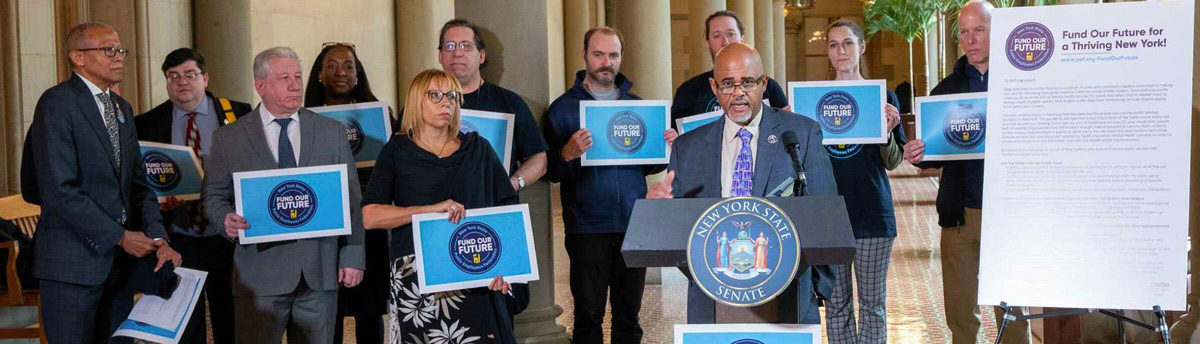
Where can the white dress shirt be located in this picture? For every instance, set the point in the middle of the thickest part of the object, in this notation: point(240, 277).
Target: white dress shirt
point(271, 129)
point(731, 145)
point(95, 90)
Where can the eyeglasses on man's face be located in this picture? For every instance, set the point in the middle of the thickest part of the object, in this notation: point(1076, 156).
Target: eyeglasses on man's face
point(747, 85)
point(452, 46)
point(108, 51)
point(190, 75)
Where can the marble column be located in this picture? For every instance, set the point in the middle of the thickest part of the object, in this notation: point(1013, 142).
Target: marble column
point(1187, 329)
point(745, 11)
point(418, 23)
point(698, 55)
point(764, 34)
point(10, 105)
point(578, 17)
point(778, 22)
point(518, 55)
point(222, 33)
point(646, 26)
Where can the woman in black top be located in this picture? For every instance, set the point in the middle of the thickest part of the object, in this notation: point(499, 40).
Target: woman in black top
point(430, 167)
point(337, 78)
point(861, 175)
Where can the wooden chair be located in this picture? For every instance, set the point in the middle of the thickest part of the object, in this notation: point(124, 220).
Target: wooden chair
point(25, 216)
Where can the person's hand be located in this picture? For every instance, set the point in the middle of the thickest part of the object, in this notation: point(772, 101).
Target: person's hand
point(233, 223)
point(914, 151)
point(661, 189)
point(498, 284)
point(787, 108)
point(580, 142)
point(350, 277)
point(670, 135)
point(893, 116)
point(170, 203)
point(137, 244)
point(456, 210)
point(165, 253)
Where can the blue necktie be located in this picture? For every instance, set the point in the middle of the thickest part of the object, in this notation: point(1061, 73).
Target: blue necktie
point(287, 159)
point(743, 167)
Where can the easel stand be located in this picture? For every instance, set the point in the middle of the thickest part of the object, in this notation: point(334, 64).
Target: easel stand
point(1121, 320)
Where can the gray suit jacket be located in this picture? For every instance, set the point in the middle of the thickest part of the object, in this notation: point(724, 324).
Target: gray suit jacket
point(68, 167)
point(275, 268)
point(696, 157)
point(696, 160)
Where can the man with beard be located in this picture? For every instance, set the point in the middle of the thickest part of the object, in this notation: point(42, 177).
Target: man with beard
point(462, 53)
point(188, 118)
point(598, 200)
point(694, 97)
point(749, 131)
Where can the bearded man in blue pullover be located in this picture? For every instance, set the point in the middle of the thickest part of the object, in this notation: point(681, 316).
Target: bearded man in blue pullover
point(597, 200)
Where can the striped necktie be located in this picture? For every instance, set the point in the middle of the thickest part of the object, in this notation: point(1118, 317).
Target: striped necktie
point(287, 159)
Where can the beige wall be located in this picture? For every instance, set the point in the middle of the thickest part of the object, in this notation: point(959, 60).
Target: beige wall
point(169, 24)
point(37, 59)
point(681, 37)
point(305, 24)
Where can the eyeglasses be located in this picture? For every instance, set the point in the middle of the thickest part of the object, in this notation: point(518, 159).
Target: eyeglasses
point(189, 76)
point(747, 85)
point(108, 51)
point(452, 46)
point(436, 96)
point(336, 44)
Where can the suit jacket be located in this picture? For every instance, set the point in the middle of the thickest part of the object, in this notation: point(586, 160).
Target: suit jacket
point(276, 268)
point(155, 125)
point(68, 167)
point(696, 160)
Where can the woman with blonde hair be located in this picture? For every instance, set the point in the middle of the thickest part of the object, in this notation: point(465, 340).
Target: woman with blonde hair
point(861, 175)
point(430, 167)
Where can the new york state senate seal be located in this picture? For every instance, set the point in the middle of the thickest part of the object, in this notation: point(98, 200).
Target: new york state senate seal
point(743, 251)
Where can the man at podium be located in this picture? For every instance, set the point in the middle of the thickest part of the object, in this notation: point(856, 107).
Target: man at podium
point(744, 155)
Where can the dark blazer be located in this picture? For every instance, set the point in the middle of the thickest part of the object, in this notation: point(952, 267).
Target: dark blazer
point(276, 268)
point(68, 167)
point(696, 160)
point(155, 125)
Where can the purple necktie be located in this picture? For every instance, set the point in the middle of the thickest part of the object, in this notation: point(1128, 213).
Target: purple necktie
point(743, 167)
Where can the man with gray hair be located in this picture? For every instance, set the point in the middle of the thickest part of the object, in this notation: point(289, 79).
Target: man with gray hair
point(83, 165)
point(289, 284)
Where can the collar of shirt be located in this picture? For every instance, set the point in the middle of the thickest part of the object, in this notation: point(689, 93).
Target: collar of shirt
point(91, 87)
point(269, 119)
point(731, 127)
point(205, 109)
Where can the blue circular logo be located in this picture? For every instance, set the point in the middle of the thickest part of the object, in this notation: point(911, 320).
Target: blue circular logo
point(1029, 46)
point(626, 132)
point(474, 247)
point(292, 203)
point(162, 173)
point(746, 341)
point(713, 105)
point(354, 133)
point(842, 151)
point(466, 127)
point(743, 251)
point(838, 112)
point(964, 127)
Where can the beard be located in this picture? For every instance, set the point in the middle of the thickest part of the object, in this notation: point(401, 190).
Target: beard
point(595, 75)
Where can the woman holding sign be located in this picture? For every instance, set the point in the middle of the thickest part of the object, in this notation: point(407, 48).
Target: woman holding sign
point(861, 174)
point(337, 78)
point(430, 167)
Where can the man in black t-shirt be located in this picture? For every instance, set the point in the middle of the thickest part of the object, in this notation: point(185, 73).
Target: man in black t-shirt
point(694, 96)
point(461, 53)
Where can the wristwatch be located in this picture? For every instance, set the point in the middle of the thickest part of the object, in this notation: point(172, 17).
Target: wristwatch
point(520, 183)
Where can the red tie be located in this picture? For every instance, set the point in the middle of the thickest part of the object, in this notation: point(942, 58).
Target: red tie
point(192, 135)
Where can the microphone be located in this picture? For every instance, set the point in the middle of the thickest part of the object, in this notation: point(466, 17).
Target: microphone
point(793, 146)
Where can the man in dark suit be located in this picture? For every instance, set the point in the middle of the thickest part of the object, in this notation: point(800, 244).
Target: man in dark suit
point(288, 285)
point(189, 118)
point(710, 162)
point(83, 165)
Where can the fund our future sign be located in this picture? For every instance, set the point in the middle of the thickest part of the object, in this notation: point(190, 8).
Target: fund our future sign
point(1085, 200)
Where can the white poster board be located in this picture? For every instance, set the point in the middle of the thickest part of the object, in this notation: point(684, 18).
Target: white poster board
point(1085, 194)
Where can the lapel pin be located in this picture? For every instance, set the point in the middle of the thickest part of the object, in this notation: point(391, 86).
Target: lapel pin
point(772, 139)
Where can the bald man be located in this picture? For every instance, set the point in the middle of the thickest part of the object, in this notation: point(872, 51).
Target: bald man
point(748, 128)
point(83, 164)
point(960, 195)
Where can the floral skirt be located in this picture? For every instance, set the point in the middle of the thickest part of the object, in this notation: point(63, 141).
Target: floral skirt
point(454, 317)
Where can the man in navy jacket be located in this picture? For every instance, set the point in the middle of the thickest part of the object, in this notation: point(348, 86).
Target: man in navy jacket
point(597, 200)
